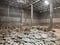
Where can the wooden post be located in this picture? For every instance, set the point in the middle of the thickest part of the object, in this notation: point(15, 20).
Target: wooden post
point(51, 15)
point(21, 23)
point(8, 11)
point(31, 15)
point(22, 20)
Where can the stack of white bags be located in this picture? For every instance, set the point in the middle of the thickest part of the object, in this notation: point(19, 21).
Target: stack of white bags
point(34, 37)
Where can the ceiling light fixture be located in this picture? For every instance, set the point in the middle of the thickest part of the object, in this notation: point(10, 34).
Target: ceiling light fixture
point(46, 2)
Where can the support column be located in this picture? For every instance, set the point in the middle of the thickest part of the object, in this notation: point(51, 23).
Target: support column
point(8, 11)
point(31, 15)
point(22, 17)
point(21, 23)
point(51, 15)
point(22, 20)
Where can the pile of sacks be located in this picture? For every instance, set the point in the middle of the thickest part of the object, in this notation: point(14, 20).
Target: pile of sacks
point(34, 37)
point(11, 38)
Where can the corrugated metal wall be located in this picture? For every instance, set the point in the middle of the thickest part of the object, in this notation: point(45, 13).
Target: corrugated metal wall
point(13, 16)
point(45, 17)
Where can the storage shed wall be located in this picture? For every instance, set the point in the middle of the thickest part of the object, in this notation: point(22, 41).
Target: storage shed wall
point(13, 16)
point(44, 17)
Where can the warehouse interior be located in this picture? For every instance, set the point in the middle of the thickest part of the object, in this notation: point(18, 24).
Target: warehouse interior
point(29, 22)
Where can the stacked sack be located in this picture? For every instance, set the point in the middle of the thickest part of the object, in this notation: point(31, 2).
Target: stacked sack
point(34, 37)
